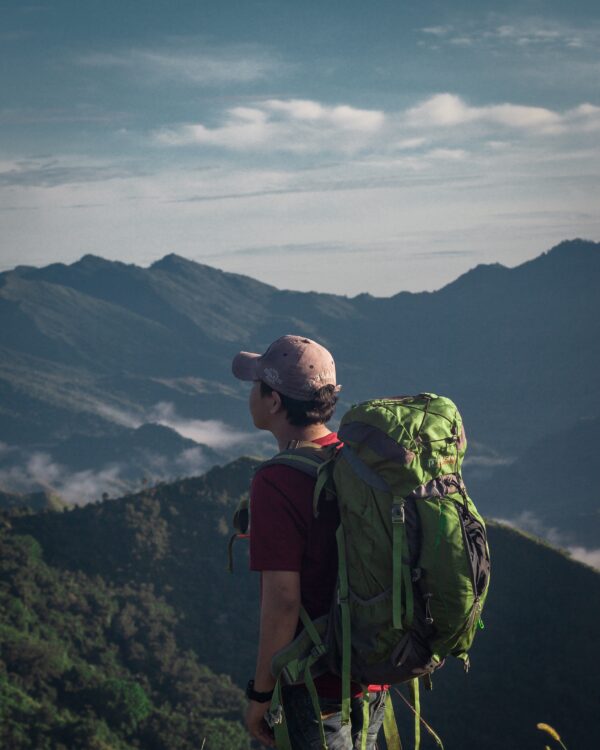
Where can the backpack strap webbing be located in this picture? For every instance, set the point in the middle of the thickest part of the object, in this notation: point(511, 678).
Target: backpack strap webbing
point(306, 457)
point(417, 714)
point(275, 718)
point(345, 613)
point(312, 691)
point(390, 728)
point(364, 734)
point(324, 477)
point(413, 687)
point(292, 664)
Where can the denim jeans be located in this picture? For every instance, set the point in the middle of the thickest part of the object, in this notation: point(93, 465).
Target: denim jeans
point(303, 726)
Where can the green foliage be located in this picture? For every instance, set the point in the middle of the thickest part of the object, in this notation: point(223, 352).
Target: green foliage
point(223, 735)
point(87, 664)
point(123, 703)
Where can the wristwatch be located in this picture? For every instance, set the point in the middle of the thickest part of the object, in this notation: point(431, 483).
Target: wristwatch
point(255, 695)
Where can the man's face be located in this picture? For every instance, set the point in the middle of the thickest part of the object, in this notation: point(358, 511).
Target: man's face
point(259, 407)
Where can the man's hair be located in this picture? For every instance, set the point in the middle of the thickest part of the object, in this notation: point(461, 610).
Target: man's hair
point(317, 410)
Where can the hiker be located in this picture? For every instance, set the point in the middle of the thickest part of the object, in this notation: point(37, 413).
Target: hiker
point(293, 396)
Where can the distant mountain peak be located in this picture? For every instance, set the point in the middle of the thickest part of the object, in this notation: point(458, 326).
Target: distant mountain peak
point(90, 260)
point(575, 242)
point(576, 245)
point(172, 261)
point(475, 276)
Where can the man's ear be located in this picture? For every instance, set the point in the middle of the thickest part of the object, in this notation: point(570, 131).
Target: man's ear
point(275, 405)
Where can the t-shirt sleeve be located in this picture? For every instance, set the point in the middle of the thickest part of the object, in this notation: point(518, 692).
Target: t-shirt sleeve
point(277, 529)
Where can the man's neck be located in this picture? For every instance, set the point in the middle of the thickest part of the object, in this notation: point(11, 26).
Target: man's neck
point(286, 433)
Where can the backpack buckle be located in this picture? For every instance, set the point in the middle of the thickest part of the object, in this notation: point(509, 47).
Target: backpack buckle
point(317, 652)
point(274, 716)
point(398, 513)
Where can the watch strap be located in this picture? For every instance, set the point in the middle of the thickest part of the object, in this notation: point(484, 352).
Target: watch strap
point(255, 695)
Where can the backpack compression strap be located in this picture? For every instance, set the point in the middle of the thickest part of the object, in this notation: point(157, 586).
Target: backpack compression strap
point(400, 569)
point(294, 664)
point(390, 728)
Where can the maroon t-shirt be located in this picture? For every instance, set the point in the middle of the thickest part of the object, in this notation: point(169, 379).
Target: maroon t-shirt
point(285, 535)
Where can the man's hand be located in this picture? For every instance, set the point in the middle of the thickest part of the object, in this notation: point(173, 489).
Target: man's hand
point(256, 724)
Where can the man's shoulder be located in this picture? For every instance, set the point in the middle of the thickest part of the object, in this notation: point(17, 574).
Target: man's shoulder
point(280, 476)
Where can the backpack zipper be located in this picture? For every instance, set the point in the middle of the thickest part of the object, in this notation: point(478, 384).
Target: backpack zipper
point(460, 509)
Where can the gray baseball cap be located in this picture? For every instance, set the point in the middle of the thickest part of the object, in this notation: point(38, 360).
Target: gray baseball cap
point(292, 365)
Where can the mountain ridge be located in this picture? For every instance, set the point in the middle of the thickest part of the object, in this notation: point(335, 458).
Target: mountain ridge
point(173, 260)
point(85, 341)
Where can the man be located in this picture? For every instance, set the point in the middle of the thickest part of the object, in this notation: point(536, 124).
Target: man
point(293, 396)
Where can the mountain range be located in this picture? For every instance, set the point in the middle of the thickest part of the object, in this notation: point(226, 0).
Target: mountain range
point(90, 353)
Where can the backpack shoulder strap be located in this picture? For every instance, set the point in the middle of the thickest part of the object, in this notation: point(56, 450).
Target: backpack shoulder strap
point(304, 456)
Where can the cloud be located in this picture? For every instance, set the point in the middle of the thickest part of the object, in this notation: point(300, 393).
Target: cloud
point(408, 143)
point(49, 173)
point(530, 33)
point(487, 462)
point(448, 110)
point(307, 126)
point(447, 154)
point(443, 110)
point(446, 254)
point(342, 116)
point(526, 34)
point(192, 462)
point(210, 432)
point(299, 249)
point(243, 64)
point(485, 457)
point(590, 557)
point(116, 415)
point(86, 486)
point(437, 31)
point(461, 41)
point(40, 472)
point(78, 112)
point(294, 125)
point(529, 522)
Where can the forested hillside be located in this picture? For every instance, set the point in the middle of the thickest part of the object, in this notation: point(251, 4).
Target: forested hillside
point(86, 664)
point(116, 607)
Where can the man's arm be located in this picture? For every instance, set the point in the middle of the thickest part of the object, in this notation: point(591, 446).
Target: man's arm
point(279, 612)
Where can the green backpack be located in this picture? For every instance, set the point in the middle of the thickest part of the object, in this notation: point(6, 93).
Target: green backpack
point(413, 559)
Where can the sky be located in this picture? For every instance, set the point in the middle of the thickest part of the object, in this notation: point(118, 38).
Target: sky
point(336, 146)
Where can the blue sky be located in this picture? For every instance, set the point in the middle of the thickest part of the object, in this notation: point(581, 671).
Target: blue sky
point(337, 146)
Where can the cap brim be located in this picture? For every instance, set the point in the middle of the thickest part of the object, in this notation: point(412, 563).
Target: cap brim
point(244, 365)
